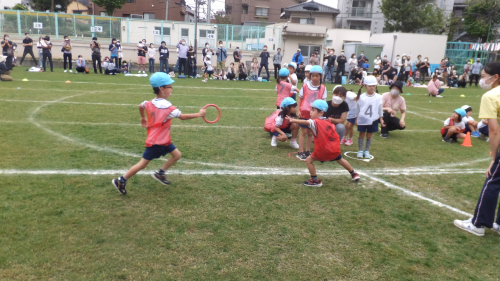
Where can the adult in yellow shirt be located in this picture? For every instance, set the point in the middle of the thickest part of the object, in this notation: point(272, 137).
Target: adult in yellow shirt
point(484, 216)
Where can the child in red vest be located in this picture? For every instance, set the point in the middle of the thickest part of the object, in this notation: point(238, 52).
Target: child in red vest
point(326, 142)
point(454, 127)
point(311, 91)
point(283, 88)
point(278, 125)
point(158, 143)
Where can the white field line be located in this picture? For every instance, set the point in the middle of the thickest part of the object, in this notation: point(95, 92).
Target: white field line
point(425, 116)
point(432, 111)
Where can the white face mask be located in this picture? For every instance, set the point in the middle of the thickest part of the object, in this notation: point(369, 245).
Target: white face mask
point(220, 45)
point(397, 57)
point(183, 43)
point(265, 49)
point(395, 92)
point(484, 86)
point(445, 60)
point(425, 60)
point(337, 100)
point(341, 54)
point(6, 38)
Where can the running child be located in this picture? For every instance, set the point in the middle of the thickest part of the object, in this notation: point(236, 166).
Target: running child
point(471, 125)
point(368, 114)
point(326, 142)
point(158, 143)
point(283, 88)
point(454, 127)
point(279, 126)
point(209, 69)
point(310, 92)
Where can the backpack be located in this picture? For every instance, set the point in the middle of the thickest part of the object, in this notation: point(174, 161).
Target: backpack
point(96, 50)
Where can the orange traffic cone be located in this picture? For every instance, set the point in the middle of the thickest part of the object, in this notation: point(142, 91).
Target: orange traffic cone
point(466, 141)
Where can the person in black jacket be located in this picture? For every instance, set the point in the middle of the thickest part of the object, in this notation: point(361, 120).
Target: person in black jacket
point(341, 61)
point(330, 66)
point(28, 49)
point(164, 56)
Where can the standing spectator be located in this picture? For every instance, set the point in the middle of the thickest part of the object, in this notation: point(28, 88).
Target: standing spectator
point(264, 62)
point(221, 58)
point(142, 49)
point(206, 51)
point(352, 62)
point(182, 55)
point(277, 58)
point(397, 63)
point(8, 51)
point(254, 69)
point(113, 48)
point(96, 55)
point(475, 70)
point(377, 62)
point(402, 69)
point(120, 54)
point(423, 69)
point(362, 59)
point(467, 68)
point(434, 87)
point(80, 65)
point(67, 55)
point(330, 66)
point(164, 55)
point(40, 51)
point(28, 48)
point(341, 61)
point(151, 57)
point(314, 60)
point(191, 62)
point(392, 102)
point(297, 57)
point(408, 68)
point(47, 47)
point(236, 57)
point(443, 70)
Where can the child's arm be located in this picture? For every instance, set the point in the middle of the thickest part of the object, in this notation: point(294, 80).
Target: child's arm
point(277, 129)
point(144, 121)
point(300, 122)
point(299, 100)
point(202, 113)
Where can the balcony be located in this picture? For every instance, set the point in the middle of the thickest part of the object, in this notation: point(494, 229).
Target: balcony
point(360, 12)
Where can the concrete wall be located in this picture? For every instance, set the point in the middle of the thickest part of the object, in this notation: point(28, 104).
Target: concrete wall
point(76, 6)
point(431, 46)
point(341, 36)
point(8, 3)
point(326, 20)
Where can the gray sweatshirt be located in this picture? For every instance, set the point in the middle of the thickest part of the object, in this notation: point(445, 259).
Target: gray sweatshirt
point(277, 58)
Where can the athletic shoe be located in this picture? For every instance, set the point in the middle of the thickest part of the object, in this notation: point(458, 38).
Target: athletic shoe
point(439, 96)
point(360, 154)
point(294, 144)
point(496, 228)
point(488, 140)
point(475, 134)
point(312, 182)
point(469, 227)
point(343, 141)
point(288, 135)
point(299, 155)
point(204, 80)
point(348, 142)
point(385, 136)
point(366, 154)
point(65, 71)
point(307, 153)
point(355, 176)
point(120, 185)
point(482, 136)
point(161, 178)
point(71, 71)
point(302, 156)
point(447, 139)
point(274, 141)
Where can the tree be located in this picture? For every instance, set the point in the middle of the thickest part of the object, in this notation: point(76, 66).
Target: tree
point(44, 5)
point(222, 19)
point(110, 5)
point(20, 7)
point(480, 18)
point(412, 15)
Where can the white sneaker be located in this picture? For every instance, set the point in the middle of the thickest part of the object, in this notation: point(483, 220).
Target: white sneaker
point(469, 227)
point(294, 144)
point(274, 142)
point(496, 228)
point(65, 71)
point(204, 80)
point(439, 96)
point(71, 71)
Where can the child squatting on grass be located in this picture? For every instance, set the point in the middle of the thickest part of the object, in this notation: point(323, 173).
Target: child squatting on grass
point(158, 143)
point(278, 125)
point(454, 127)
point(326, 142)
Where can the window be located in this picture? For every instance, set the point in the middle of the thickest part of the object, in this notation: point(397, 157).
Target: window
point(458, 13)
point(185, 34)
point(103, 14)
point(149, 16)
point(359, 4)
point(206, 36)
point(244, 9)
point(329, 43)
point(77, 12)
point(356, 27)
point(130, 1)
point(125, 15)
point(259, 11)
point(229, 10)
point(303, 20)
point(166, 35)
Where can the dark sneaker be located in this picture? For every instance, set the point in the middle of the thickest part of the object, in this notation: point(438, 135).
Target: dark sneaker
point(385, 136)
point(120, 185)
point(447, 139)
point(308, 153)
point(300, 155)
point(312, 182)
point(161, 178)
point(355, 176)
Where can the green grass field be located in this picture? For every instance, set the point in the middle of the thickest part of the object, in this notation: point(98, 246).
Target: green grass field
point(236, 208)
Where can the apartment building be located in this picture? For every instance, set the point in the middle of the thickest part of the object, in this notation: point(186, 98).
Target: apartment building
point(366, 14)
point(253, 12)
point(150, 9)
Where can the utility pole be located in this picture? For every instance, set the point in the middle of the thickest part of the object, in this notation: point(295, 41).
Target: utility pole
point(52, 6)
point(166, 9)
point(209, 10)
point(196, 27)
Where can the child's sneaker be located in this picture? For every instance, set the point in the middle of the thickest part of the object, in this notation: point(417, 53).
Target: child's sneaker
point(312, 182)
point(302, 156)
point(343, 141)
point(447, 139)
point(360, 154)
point(366, 154)
point(274, 142)
point(307, 153)
point(355, 176)
point(348, 142)
point(475, 134)
point(120, 185)
point(294, 144)
point(469, 227)
point(482, 136)
point(161, 178)
point(204, 80)
point(496, 228)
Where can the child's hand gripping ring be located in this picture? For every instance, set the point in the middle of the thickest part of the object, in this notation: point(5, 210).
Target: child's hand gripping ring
point(218, 117)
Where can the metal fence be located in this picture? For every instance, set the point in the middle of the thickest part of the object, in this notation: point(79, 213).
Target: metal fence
point(462, 52)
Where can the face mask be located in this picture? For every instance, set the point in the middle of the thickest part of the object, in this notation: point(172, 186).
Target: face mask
point(220, 45)
point(362, 54)
point(468, 62)
point(183, 43)
point(6, 38)
point(265, 49)
point(484, 86)
point(66, 39)
point(118, 43)
point(446, 60)
point(337, 100)
point(397, 57)
point(27, 36)
point(341, 54)
point(425, 60)
point(279, 51)
point(385, 58)
point(394, 92)
point(378, 58)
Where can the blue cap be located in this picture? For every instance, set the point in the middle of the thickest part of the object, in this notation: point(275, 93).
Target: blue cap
point(320, 104)
point(160, 79)
point(316, 69)
point(287, 101)
point(461, 112)
point(284, 72)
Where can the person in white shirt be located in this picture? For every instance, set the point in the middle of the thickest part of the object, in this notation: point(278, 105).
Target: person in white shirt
point(209, 69)
point(293, 77)
point(454, 127)
point(471, 126)
point(397, 63)
point(483, 129)
point(151, 56)
point(376, 62)
point(231, 72)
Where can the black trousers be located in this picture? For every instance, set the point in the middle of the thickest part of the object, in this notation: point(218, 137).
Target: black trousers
point(277, 68)
point(230, 76)
point(80, 69)
point(97, 59)
point(183, 65)
point(340, 73)
point(266, 66)
point(45, 57)
point(487, 203)
point(391, 123)
point(32, 56)
point(472, 76)
point(8, 61)
point(242, 76)
point(70, 58)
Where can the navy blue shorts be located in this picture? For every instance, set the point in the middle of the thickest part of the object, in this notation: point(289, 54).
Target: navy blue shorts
point(304, 126)
point(336, 159)
point(352, 120)
point(286, 131)
point(157, 151)
point(373, 128)
point(453, 137)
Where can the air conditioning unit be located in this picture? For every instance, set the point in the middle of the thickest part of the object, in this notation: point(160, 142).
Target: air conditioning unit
point(135, 16)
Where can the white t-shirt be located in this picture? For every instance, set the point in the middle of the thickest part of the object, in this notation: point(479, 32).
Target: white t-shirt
point(292, 89)
point(209, 65)
point(163, 104)
point(294, 78)
point(467, 119)
point(312, 88)
point(279, 120)
point(350, 99)
point(376, 63)
point(369, 109)
point(151, 53)
point(481, 124)
point(460, 125)
point(306, 80)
